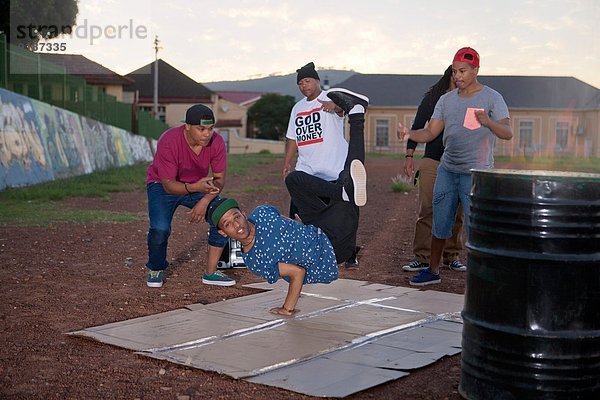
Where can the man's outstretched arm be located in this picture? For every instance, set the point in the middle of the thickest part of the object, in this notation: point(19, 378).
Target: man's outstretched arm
point(427, 134)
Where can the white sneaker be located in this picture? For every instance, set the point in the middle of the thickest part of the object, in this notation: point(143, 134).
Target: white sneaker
point(359, 180)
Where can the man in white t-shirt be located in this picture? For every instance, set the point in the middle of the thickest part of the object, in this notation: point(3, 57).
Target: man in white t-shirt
point(316, 133)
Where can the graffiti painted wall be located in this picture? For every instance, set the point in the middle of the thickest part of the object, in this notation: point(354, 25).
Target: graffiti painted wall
point(40, 142)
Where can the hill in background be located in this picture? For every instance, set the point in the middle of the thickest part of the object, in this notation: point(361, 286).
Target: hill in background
point(283, 84)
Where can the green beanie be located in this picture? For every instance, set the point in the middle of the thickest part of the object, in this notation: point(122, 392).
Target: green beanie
point(219, 207)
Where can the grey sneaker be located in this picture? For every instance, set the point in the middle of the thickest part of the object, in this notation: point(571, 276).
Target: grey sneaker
point(456, 265)
point(415, 266)
point(154, 279)
point(217, 278)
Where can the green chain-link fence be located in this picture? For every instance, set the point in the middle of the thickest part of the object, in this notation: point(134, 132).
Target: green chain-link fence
point(24, 72)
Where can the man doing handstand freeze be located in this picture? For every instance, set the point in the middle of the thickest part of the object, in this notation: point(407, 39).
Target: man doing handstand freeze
point(275, 246)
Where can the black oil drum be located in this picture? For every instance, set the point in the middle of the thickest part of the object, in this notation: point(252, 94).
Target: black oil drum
point(532, 302)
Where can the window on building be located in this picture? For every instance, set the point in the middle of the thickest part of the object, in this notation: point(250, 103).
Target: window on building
point(162, 111)
point(562, 135)
point(526, 134)
point(382, 133)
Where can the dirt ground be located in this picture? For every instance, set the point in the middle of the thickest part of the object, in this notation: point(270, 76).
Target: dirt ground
point(68, 277)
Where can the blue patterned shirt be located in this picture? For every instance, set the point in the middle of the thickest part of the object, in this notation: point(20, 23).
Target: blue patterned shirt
point(280, 239)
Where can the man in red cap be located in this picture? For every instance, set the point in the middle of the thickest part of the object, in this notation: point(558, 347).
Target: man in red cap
point(472, 116)
point(179, 175)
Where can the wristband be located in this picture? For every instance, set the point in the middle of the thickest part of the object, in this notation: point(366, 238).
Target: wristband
point(186, 188)
point(408, 156)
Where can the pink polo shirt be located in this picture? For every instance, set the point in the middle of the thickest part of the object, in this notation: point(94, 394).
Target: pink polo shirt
point(175, 160)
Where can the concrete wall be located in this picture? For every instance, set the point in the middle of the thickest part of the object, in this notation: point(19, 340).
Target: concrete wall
point(236, 144)
point(40, 142)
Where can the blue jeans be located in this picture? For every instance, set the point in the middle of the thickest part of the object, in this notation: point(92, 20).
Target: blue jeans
point(449, 189)
point(161, 207)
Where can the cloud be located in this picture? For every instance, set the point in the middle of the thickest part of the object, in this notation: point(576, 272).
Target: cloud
point(254, 15)
point(553, 45)
point(209, 36)
point(536, 24)
point(326, 25)
point(91, 7)
point(259, 37)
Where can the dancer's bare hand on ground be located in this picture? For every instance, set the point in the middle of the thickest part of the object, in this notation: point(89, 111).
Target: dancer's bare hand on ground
point(282, 311)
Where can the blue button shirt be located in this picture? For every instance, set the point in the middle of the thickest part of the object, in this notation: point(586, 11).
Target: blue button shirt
point(280, 239)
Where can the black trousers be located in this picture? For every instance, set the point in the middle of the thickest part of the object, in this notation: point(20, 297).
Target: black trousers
point(319, 202)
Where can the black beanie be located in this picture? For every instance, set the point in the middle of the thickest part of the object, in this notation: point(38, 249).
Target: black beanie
point(308, 71)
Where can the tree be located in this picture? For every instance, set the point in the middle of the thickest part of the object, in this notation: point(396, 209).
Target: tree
point(270, 115)
point(25, 22)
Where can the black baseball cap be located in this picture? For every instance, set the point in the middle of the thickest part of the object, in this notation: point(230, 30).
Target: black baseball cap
point(199, 114)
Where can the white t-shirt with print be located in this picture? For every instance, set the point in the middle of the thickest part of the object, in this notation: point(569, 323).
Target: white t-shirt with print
point(322, 148)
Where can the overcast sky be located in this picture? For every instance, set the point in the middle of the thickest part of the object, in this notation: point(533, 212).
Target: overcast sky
point(243, 39)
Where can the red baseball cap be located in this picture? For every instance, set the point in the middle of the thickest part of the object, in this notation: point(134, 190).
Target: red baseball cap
point(468, 55)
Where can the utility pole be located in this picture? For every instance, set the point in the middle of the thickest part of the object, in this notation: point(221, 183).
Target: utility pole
point(155, 105)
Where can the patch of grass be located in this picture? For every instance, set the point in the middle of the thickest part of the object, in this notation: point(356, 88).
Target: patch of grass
point(39, 205)
point(245, 164)
point(98, 184)
point(44, 213)
point(259, 189)
point(386, 155)
point(401, 184)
